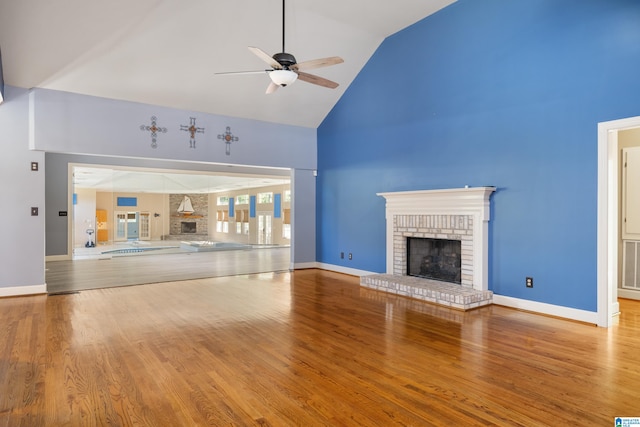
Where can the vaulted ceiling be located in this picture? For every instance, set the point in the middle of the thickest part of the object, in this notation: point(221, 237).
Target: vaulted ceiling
point(167, 52)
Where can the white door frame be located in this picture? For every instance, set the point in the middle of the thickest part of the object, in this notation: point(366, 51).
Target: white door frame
point(608, 223)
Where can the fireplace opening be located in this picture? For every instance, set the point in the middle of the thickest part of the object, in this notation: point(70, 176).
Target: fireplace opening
point(437, 259)
point(188, 227)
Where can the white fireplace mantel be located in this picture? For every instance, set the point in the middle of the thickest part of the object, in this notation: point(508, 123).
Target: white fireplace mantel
point(471, 204)
point(462, 200)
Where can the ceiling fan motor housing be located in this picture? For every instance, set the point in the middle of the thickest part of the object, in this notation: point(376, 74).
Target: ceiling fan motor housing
point(285, 59)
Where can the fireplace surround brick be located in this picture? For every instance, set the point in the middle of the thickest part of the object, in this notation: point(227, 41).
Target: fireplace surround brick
point(450, 227)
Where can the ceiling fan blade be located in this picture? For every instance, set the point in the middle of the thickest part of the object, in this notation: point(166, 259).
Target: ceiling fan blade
point(265, 57)
point(317, 80)
point(318, 63)
point(272, 88)
point(242, 72)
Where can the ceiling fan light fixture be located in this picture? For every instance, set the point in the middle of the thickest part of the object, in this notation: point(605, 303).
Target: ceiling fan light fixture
point(283, 77)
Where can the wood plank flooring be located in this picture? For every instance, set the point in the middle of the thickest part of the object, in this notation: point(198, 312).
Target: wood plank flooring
point(65, 276)
point(304, 348)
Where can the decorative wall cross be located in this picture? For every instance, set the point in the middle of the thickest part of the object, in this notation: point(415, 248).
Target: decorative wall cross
point(154, 129)
point(192, 129)
point(228, 139)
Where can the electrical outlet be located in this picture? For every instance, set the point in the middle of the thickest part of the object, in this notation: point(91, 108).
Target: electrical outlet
point(341, 255)
point(529, 282)
point(350, 255)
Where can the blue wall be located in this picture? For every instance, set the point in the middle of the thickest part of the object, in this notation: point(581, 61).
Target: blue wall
point(495, 92)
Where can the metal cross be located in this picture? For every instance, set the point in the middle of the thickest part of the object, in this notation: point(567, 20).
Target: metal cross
point(192, 129)
point(228, 139)
point(154, 129)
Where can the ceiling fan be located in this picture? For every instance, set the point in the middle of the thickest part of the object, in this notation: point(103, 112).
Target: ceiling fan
point(285, 69)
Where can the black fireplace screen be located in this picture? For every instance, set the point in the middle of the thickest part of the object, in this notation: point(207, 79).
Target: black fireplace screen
point(437, 259)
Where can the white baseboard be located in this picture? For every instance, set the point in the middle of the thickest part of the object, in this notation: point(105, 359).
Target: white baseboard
point(23, 290)
point(344, 270)
point(628, 293)
point(548, 309)
point(304, 265)
point(57, 258)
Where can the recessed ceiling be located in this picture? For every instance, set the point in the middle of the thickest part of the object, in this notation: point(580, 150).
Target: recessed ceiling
point(106, 179)
point(166, 52)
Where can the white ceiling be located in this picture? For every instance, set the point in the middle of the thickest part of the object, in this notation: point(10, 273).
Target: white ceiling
point(166, 52)
point(138, 180)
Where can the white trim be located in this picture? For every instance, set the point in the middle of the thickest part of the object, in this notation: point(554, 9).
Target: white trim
point(629, 294)
point(548, 309)
point(70, 209)
point(344, 270)
point(607, 244)
point(23, 290)
point(303, 265)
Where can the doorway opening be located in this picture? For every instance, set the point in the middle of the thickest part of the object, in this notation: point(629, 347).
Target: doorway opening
point(608, 253)
point(132, 209)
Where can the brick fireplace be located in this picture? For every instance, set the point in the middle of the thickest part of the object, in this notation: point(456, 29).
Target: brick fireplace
point(194, 226)
point(460, 214)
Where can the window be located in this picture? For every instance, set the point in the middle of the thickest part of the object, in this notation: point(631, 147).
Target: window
point(242, 200)
point(265, 197)
point(223, 201)
point(238, 228)
point(286, 196)
point(222, 224)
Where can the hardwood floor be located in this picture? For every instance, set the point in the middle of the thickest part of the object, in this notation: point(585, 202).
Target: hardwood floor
point(304, 348)
point(66, 276)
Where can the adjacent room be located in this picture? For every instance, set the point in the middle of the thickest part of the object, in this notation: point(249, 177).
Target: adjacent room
point(293, 212)
point(210, 225)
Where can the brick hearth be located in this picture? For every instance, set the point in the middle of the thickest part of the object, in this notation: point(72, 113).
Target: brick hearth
point(441, 293)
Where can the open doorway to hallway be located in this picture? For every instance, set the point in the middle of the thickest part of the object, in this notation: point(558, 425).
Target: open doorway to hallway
point(629, 214)
point(613, 138)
